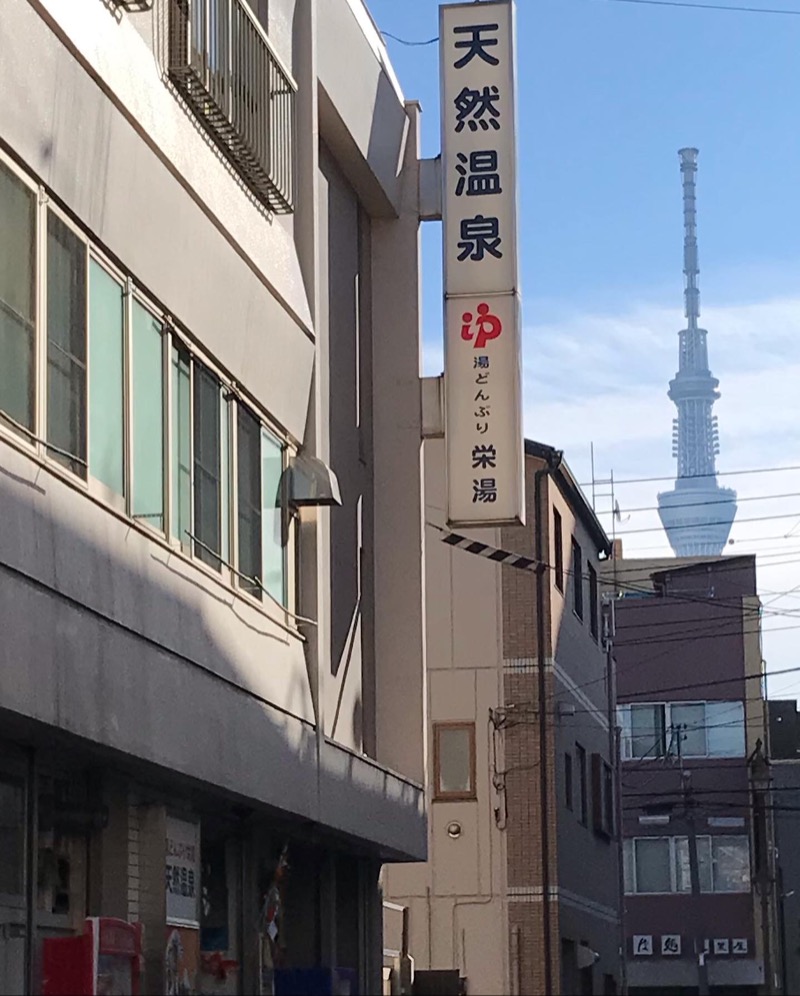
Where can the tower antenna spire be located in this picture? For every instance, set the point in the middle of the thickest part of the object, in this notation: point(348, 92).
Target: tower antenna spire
point(697, 514)
point(691, 268)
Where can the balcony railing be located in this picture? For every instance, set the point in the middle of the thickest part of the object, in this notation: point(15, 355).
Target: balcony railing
point(221, 62)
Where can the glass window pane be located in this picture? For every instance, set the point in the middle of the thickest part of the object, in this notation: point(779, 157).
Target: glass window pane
point(17, 299)
point(683, 872)
point(181, 447)
point(652, 864)
point(688, 724)
point(249, 499)
point(106, 378)
point(731, 864)
point(206, 466)
point(725, 728)
point(12, 839)
point(66, 345)
point(647, 731)
point(455, 760)
point(148, 418)
point(273, 560)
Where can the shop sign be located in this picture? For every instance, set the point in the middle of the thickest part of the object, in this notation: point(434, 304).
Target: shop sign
point(182, 879)
point(483, 392)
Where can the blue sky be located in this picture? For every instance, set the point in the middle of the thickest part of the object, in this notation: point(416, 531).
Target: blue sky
point(608, 92)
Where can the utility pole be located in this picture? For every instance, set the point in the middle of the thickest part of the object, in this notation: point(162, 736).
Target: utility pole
point(694, 878)
point(615, 758)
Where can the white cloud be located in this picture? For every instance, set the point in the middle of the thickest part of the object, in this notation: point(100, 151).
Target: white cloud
point(603, 379)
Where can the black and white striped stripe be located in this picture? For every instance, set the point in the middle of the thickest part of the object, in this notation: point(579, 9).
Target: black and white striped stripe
point(489, 552)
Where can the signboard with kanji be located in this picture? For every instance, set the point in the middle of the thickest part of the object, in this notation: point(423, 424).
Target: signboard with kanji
point(182, 878)
point(483, 393)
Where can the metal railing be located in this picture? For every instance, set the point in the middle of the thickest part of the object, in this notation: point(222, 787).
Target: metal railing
point(221, 62)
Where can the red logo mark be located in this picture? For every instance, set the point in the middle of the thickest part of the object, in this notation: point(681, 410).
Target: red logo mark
point(489, 326)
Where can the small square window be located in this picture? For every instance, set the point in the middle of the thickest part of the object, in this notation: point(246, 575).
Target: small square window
point(454, 760)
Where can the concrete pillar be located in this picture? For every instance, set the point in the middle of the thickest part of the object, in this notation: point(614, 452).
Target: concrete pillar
point(398, 482)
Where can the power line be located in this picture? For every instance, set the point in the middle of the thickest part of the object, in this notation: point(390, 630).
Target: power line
point(711, 6)
point(703, 504)
point(405, 41)
point(702, 525)
point(694, 477)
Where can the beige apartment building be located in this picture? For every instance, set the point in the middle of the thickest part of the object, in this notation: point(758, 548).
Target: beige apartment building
point(520, 893)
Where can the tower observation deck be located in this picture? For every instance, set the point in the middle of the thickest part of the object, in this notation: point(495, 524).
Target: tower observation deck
point(697, 513)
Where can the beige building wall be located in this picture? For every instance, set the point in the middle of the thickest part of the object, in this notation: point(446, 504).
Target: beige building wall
point(457, 898)
point(477, 904)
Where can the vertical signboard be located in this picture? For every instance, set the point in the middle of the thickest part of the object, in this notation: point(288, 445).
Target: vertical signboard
point(483, 392)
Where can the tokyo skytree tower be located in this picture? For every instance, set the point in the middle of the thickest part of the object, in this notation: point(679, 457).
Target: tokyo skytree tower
point(697, 513)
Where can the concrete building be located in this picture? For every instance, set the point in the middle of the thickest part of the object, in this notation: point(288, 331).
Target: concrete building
point(689, 664)
point(208, 301)
point(784, 757)
point(522, 856)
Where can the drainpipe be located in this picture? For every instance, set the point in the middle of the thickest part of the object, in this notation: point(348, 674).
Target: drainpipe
point(542, 574)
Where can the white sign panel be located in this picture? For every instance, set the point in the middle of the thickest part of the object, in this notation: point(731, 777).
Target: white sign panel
point(182, 879)
point(670, 944)
point(483, 423)
point(642, 944)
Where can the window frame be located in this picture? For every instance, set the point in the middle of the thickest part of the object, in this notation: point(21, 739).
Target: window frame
point(624, 721)
point(48, 207)
point(34, 442)
point(577, 578)
point(30, 438)
point(594, 602)
point(569, 781)
point(675, 841)
point(583, 785)
point(438, 794)
point(558, 550)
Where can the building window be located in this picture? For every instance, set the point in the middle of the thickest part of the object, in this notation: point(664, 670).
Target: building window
point(106, 379)
point(688, 729)
point(652, 864)
point(583, 787)
point(593, 617)
point(558, 550)
point(454, 760)
point(221, 61)
point(602, 797)
point(577, 580)
point(273, 551)
point(207, 467)
point(147, 503)
point(66, 346)
point(181, 446)
point(568, 780)
point(17, 301)
point(661, 864)
point(128, 407)
point(249, 501)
